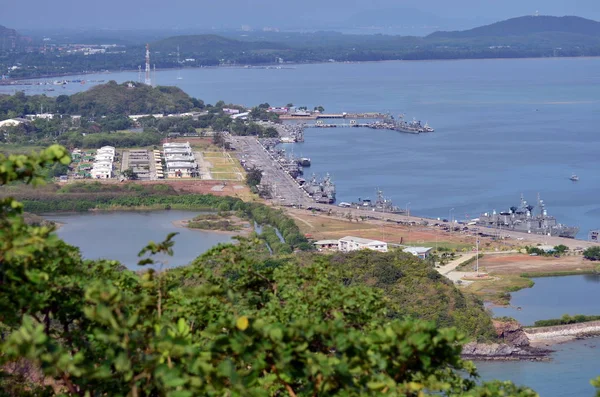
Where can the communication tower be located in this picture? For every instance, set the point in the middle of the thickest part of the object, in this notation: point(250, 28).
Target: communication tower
point(148, 80)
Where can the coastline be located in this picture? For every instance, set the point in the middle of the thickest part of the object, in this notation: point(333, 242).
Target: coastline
point(14, 82)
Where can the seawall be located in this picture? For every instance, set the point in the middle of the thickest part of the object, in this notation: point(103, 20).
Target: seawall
point(561, 333)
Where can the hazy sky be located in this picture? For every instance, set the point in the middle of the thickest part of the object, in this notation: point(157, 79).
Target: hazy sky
point(204, 14)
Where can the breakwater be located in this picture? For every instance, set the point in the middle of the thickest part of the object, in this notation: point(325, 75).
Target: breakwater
point(559, 333)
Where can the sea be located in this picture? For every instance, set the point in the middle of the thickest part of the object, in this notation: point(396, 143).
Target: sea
point(503, 128)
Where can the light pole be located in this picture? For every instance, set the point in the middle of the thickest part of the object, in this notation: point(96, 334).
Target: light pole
point(477, 255)
point(407, 213)
point(450, 216)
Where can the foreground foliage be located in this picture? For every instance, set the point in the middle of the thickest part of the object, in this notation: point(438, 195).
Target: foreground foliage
point(230, 324)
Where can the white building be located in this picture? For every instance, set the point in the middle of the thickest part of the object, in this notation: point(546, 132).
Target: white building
point(103, 163)
point(420, 252)
point(327, 245)
point(180, 161)
point(45, 116)
point(104, 157)
point(350, 243)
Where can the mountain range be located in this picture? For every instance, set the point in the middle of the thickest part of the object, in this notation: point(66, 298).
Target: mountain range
point(527, 25)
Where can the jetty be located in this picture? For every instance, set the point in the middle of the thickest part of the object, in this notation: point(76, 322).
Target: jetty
point(316, 116)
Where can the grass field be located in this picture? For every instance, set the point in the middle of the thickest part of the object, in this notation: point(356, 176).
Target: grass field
point(9, 148)
point(498, 289)
point(223, 166)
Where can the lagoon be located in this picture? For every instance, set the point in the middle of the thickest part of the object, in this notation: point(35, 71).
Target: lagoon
point(551, 297)
point(121, 235)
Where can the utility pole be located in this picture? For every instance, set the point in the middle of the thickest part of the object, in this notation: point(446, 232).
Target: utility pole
point(477, 255)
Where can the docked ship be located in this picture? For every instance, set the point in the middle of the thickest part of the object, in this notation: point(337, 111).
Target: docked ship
point(411, 127)
point(322, 191)
point(381, 204)
point(304, 161)
point(523, 219)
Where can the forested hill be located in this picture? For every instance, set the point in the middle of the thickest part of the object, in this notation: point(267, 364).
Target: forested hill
point(127, 99)
point(526, 26)
point(207, 43)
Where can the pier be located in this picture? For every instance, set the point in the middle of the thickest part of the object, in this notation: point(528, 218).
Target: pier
point(286, 191)
point(316, 116)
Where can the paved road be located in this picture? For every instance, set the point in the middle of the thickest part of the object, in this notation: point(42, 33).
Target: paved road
point(288, 192)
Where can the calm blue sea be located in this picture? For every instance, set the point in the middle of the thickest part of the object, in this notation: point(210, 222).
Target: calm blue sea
point(503, 127)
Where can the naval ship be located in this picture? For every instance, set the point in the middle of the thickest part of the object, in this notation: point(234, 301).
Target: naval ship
point(380, 205)
point(522, 219)
point(322, 191)
point(411, 127)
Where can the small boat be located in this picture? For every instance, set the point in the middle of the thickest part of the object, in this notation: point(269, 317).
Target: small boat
point(574, 178)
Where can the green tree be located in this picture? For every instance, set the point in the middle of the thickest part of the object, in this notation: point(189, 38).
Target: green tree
point(561, 249)
point(231, 323)
point(253, 176)
point(218, 139)
point(129, 174)
point(592, 253)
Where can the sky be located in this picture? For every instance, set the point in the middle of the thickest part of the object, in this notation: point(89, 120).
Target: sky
point(282, 14)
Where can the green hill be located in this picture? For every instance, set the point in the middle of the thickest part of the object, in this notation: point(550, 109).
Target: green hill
point(129, 98)
point(210, 43)
point(526, 26)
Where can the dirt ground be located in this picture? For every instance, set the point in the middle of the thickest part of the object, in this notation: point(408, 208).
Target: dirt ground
point(218, 188)
point(522, 263)
point(324, 227)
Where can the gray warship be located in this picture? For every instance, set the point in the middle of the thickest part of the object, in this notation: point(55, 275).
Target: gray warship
point(381, 204)
point(411, 127)
point(322, 191)
point(522, 219)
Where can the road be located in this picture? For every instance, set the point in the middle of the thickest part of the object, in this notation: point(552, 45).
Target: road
point(287, 192)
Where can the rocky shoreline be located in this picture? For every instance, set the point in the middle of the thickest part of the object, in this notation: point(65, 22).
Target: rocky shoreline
point(503, 352)
point(531, 344)
point(515, 345)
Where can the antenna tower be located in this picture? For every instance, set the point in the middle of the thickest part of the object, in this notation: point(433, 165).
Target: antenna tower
point(148, 80)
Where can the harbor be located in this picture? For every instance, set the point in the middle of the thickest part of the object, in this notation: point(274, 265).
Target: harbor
point(281, 188)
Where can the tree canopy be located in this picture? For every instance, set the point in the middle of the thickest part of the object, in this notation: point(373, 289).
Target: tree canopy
point(231, 323)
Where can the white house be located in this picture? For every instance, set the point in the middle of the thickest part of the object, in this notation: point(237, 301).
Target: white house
point(420, 252)
point(327, 245)
point(106, 149)
point(45, 116)
point(104, 157)
point(350, 243)
point(181, 169)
